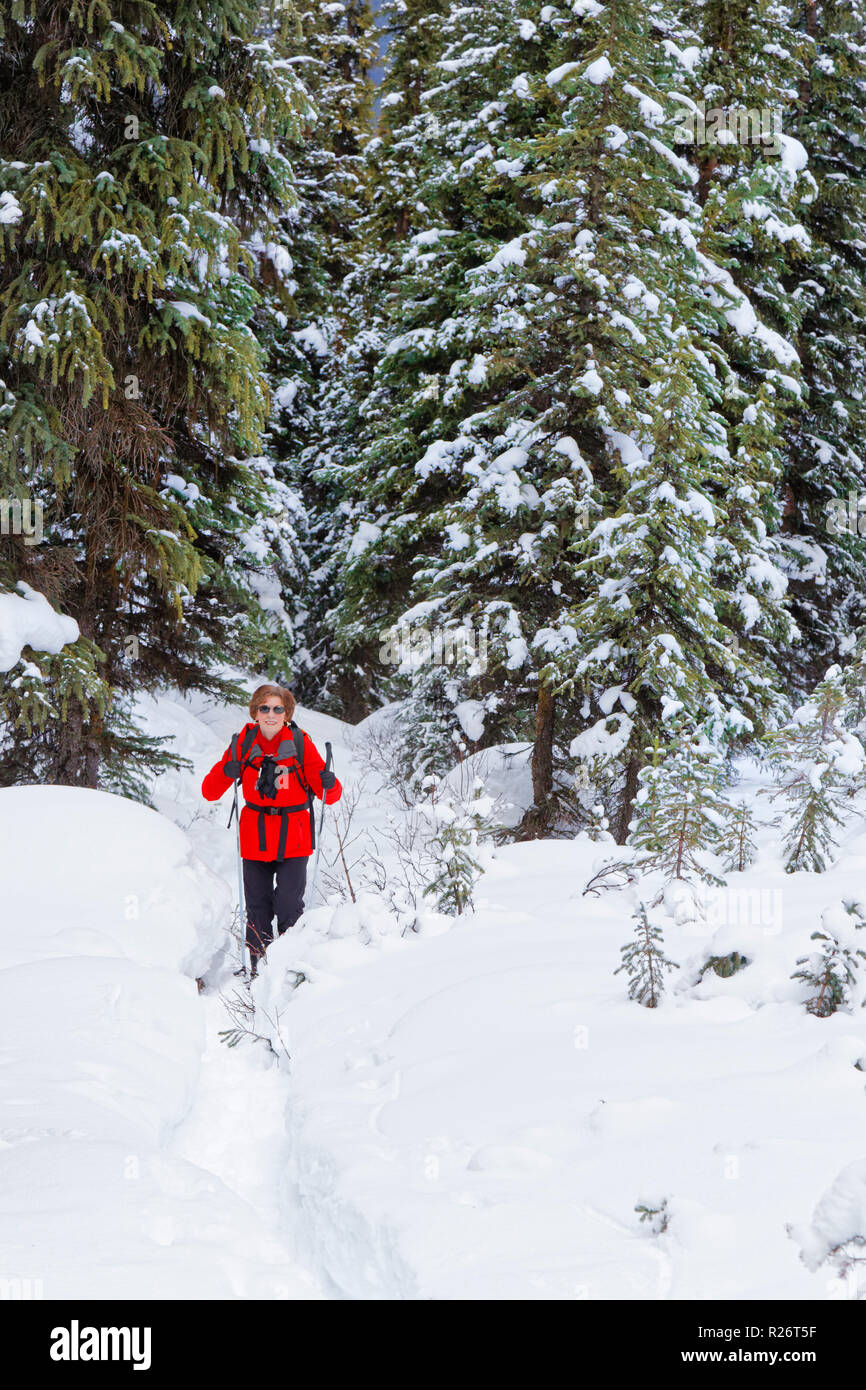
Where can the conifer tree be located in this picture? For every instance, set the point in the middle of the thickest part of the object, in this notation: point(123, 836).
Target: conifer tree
point(853, 683)
point(685, 598)
point(741, 843)
point(644, 961)
point(314, 366)
point(755, 189)
point(455, 847)
point(833, 970)
point(681, 814)
point(826, 466)
point(601, 331)
point(462, 525)
point(815, 759)
point(140, 150)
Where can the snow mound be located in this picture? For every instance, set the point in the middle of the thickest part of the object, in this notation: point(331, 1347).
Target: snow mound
point(89, 873)
point(839, 1223)
point(107, 918)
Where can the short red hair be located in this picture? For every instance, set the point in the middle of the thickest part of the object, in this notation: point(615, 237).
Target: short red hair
point(264, 691)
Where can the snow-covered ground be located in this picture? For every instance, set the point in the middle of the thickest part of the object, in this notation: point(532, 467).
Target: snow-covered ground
point(106, 1071)
point(471, 1110)
point(485, 1108)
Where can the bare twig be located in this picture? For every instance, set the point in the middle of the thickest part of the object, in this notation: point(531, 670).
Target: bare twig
point(242, 1013)
point(614, 875)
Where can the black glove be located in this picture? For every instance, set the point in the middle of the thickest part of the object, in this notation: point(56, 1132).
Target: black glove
point(328, 780)
point(232, 769)
point(266, 785)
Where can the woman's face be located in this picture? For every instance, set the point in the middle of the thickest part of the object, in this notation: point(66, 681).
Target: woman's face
point(271, 718)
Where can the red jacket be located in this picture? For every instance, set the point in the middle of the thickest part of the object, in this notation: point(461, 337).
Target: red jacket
point(265, 830)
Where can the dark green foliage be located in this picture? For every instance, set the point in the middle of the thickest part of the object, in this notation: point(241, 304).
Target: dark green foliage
point(644, 961)
point(831, 973)
point(516, 360)
point(740, 843)
point(725, 966)
point(318, 355)
point(825, 467)
point(454, 847)
point(566, 444)
point(681, 814)
point(141, 170)
point(815, 759)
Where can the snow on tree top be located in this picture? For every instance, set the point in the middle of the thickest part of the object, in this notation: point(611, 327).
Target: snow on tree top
point(312, 337)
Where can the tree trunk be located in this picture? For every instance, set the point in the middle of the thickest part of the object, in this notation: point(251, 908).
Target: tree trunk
point(706, 169)
point(538, 818)
point(620, 829)
point(77, 751)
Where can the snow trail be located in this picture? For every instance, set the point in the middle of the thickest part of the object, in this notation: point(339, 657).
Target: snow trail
point(471, 1110)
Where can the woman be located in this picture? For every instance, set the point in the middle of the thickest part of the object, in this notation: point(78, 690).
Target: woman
point(277, 826)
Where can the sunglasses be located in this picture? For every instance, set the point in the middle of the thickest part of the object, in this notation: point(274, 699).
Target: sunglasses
point(271, 709)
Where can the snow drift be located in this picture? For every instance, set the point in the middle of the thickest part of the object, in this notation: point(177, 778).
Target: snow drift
point(107, 919)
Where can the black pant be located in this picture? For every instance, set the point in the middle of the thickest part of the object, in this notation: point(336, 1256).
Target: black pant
point(265, 899)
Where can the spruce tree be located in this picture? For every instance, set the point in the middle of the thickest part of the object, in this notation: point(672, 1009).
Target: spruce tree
point(571, 435)
point(826, 466)
point(815, 759)
point(681, 814)
point(461, 523)
point(686, 598)
point(755, 190)
point(141, 156)
point(454, 845)
point(644, 961)
point(313, 361)
point(367, 578)
point(833, 970)
point(741, 848)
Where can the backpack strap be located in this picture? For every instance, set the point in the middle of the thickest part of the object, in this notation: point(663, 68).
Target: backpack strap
point(241, 758)
point(249, 739)
point(298, 736)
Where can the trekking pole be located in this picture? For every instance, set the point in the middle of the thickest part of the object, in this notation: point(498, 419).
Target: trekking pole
point(241, 914)
point(326, 768)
